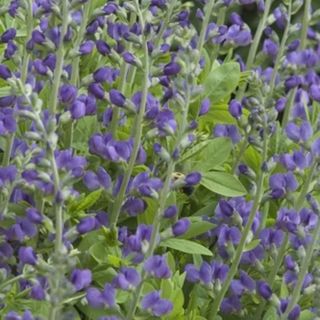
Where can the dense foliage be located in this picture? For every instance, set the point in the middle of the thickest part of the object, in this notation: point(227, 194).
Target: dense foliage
point(160, 160)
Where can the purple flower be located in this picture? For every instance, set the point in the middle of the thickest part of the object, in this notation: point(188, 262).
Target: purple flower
point(204, 107)
point(7, 175)
point(77, 110)
point(134, 206)
point(67, 93)
point(158, 267)
point(271, 237)
point(235, 108)
point(299, 134)
point(171, 69)
point(181, 227)
point(81, 278)
point(8, 35)
point(170, 211)
point(229, 131)
point(27, 256)
point(86, 47)
point(245, 283)
point(38, 37)
point(193, 178)
point(95, 298)
point(127, 279)
point(264, 290)
point(96, 180)
point(288, 219)
point(5, 72)
point(103, 48)
point(86, 225)
point(7, 121)
point(34, 215)
point(282, 183)
point(270, 48)
point(153, 302)
point(106, 74)
point(315, 92)
point(117, 98)
point(192, 273)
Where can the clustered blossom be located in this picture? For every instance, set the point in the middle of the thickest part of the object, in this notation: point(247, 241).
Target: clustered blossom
point(159, 160)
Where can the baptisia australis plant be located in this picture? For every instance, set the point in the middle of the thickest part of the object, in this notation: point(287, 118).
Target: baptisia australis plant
point(160, 159)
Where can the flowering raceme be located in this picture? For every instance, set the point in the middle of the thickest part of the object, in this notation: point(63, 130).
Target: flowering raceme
point(159, 159)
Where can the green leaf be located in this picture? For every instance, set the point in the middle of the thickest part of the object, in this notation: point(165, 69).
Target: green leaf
point(186, 246)
point(85, 203)
point(251, 245)
point(215, 153)
point(307, 315)
point(222, 81)
point(194, 150)
point(271, 314)
point(196, 228)
point(223, 183)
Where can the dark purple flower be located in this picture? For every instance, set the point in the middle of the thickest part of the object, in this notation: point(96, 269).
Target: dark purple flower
point(10, 50)
point(281, 104)
point(264, 290)
point(204, 107)
point(171, 69)
point(271, 237)
point(288, 219)
point(281, 183)
point(67, 93)
point(230, 305)
point(192, 273)
point(170, 211)
point(27, 255)
point(81, 278)
point(38, 37)
point(95, 298)
point(117, 98)
point(96, 90)
point(193, 178)
point(158, 267)
point(77, 109)
point(235, 109)
point(8, 35)
point(315, 92)
point(180, 227)
point(7, 121)
point(34, 215)
point(106, 74)
point(86, 47)
point(5, 72)
point(134, 206)
point(245, 283)
point(270, 48)
point(86, 224)
point(103, 48)
point(7, 175)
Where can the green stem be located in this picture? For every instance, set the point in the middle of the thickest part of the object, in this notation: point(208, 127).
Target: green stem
point(162, 204)
point(24, 73)
point(281, 49)
point(237, 257)
point(11, 281)
point(242, 150)
point(255, 44)
point(205, 24)
point(311, 246)
point(75, 67)
point(60, 59)
point(305, 24)
point(137, 140)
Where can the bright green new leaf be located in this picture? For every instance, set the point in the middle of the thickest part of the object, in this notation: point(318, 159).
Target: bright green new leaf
point(86, 202)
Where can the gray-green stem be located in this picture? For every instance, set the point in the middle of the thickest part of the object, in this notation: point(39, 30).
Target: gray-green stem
point(162, 203)
point(60, 59)
point(311, 246)
point(75, 66)
point(237, 257)
point(24, 73)
point(137, 137)
point(255, 44)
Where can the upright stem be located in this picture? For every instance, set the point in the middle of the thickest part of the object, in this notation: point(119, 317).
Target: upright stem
point(60, 59)
point(255, 44)
point(305, 24)
point(75, 66)
point(205, 24)
point(237, 257)
point(311, 246)
point(137, 140)
point(24, 73)
point(162, 203)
